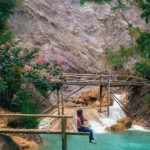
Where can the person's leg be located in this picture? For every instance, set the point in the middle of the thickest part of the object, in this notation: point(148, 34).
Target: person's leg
point(87, 130)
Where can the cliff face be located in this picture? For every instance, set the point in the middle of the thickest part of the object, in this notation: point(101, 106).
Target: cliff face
point(73, 35)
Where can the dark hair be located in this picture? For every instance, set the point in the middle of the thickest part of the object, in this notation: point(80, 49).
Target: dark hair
point(79, 112)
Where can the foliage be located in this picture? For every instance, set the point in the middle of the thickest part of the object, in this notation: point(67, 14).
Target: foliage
point(144, 44)
point(6, 9)
point(143, 69)
point(119, 57)
point(24, 122)
point(135, 32)
point(120, 6)
point(147, 99)
point(145, 5)
point(16, 72)
point(96, 1)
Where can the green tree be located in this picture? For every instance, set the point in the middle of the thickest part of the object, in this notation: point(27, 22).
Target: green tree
point(6, 9)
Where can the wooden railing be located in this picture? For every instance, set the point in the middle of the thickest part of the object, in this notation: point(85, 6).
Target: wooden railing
point(63, 131)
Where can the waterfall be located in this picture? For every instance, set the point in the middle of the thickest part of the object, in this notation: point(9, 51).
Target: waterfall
point(115, 113)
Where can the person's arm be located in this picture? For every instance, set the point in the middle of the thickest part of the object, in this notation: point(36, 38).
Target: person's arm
point(85, 119)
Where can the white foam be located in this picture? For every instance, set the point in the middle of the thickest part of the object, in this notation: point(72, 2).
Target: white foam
point(138, 128)
point(97, 127)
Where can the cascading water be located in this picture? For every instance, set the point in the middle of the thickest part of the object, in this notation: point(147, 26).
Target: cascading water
point(115, 113)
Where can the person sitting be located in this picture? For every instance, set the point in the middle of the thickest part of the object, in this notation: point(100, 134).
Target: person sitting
point(81, 125)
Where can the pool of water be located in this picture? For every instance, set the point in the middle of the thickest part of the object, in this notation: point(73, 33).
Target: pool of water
point(130, 140)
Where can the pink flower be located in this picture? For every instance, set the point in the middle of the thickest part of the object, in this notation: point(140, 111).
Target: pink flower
point(14, 96)
point(47, 76)
point(58, 67)
point(55, 80)
point(41, 60)
point(50, 67)
point(23, 86)
point(27, 68)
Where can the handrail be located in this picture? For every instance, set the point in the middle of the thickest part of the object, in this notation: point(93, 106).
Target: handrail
point(35, 115)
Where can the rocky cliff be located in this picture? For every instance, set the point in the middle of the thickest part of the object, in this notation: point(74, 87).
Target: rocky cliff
point(73, 35)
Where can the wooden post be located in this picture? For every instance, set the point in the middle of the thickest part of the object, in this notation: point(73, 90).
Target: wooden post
point(100, 96)
point(108, 96)
point(58, 101)
point(62, 101)
point(64, 135)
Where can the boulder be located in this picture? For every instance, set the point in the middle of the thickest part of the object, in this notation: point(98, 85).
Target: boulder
point(24, 144)
point(118, 127)
point(121, 125)
point(7, 143)
point(127, 122)
point(90, 95)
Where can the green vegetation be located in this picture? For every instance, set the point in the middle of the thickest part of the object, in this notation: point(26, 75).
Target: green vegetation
point(147, 99)
point(145, 5)
point(144, 44)
point(17, 71)
point(6, 9)
point(120, 57)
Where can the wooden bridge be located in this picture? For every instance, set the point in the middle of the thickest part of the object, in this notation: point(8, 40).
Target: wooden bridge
point(82, 80)
point(100, 80)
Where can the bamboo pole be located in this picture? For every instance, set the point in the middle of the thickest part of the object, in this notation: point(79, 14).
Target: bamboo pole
point(62, 101)
point(34, 115)
point(108, 96)
point(100, 97)
point(40, 131)
point(58, 102)
point(64, 135)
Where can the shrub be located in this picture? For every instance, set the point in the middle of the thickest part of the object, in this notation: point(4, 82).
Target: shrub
point(147, 99)
point(145, 5)
point(144, 44)
point(16, 73)
point(143, 69)
point(120, 57)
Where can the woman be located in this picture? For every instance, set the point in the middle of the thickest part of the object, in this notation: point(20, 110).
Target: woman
point(81, 127)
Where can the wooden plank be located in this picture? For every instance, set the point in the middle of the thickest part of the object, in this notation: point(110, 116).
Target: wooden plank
point(34, 115)
point(39, 131)
point(112, 84)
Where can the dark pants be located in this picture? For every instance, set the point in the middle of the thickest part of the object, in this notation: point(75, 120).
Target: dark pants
point(84, 129)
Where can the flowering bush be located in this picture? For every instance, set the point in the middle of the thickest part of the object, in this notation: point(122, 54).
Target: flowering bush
point(17, 71)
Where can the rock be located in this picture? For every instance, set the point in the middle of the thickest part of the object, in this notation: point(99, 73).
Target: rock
point(24, 144)
point(73, 35)
point(7, 143)
point(121, 125)
point(127, 122)
point(118, 127)
point(69, 104)
point(3, 123)
point(96, 104)
point(90, 95)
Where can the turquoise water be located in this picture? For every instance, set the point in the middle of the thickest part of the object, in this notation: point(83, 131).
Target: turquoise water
point(130, 140)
